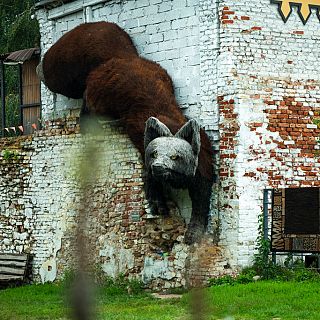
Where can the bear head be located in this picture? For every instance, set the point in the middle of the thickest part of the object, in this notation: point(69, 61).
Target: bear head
point(171, 158)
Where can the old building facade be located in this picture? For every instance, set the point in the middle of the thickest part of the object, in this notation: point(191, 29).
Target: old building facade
point(248, 77)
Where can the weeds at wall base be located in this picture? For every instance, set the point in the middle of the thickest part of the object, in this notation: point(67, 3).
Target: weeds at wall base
point(263, 268)
point(109, 285)
point(10, 155)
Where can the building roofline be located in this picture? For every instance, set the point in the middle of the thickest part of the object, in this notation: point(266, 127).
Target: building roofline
point(53, 3)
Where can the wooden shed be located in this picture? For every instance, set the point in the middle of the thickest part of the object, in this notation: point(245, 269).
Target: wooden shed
point(29, 88)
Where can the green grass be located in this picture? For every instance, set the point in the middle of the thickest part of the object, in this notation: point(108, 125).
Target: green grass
point(32, 302)
point(140, 308)
point(261, 300)
point(266, 300)
point(49, 302)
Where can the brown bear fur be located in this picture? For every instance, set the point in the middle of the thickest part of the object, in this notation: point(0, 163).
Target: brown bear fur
point(135, 96)
point(68, 62)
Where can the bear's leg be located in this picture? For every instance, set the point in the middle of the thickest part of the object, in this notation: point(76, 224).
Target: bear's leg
point(155, 197)
point(200, 193)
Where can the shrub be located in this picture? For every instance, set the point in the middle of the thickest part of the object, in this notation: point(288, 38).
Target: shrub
point(246, 276)
point(109, 285)
point(10, 155)
point(121, 285)
point(68, 277)
point(224, 280)
point(118, 284)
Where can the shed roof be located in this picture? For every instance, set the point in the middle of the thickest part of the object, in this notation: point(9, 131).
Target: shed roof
point(20, 56)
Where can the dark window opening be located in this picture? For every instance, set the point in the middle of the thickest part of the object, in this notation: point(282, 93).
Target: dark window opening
point(302, 211)
point(312, 261)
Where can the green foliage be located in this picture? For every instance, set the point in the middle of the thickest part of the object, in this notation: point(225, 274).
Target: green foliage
point(35, 302)
point(316, 121)
point(121, 285)
point(10, 155)
point(224, 280)
point(12, 97)
point(18, 29)
point(32, 302)
point(12, 110)
point(113, 285)
point(262, 261)
point(179, 290)
point(12, 79)
point(292, 270)
point(68, 278)
point(24, 32)
point(246, 276)
point(109, 285)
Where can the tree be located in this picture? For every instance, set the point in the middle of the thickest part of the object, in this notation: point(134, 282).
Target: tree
point(19, 29)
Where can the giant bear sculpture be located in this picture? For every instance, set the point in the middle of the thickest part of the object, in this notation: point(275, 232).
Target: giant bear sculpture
point(98, 61)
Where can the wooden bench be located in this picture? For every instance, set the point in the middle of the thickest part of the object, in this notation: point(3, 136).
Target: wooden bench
point(13, 267)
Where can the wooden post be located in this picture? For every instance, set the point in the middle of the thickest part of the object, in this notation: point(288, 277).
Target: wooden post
point(20, 94)
point(3, 97)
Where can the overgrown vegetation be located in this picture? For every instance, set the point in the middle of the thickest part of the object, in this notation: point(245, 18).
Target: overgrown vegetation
point(9, 155)
point(19, 28)
point(264, 268)
point(113, 286)
point(120, 285)
point(296, 272)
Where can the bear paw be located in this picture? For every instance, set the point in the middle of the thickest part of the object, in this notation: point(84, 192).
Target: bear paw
point(159, 208)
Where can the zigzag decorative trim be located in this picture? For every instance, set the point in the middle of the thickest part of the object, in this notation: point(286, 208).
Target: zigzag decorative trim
point(304, 8)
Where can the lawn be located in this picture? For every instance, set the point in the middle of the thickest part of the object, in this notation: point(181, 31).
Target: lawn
point(266, 300)
point(261, 300)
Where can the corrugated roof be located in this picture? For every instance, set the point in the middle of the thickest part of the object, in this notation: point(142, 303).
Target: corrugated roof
point(20, 55)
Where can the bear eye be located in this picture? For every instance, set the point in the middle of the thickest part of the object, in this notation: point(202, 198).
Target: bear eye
point(154, 154)
point(174, 157)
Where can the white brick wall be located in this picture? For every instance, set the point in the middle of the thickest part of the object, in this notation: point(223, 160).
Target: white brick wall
point(262, 58)
point(184, 37)
point(40, 201)
point(242, 53)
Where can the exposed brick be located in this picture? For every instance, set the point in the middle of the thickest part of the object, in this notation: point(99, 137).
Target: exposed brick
point(264, 120)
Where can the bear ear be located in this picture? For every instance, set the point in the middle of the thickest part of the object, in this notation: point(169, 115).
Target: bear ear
point(191, 133)
point(155, 129)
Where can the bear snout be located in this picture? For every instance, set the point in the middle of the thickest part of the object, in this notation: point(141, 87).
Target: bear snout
point(158, 170)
